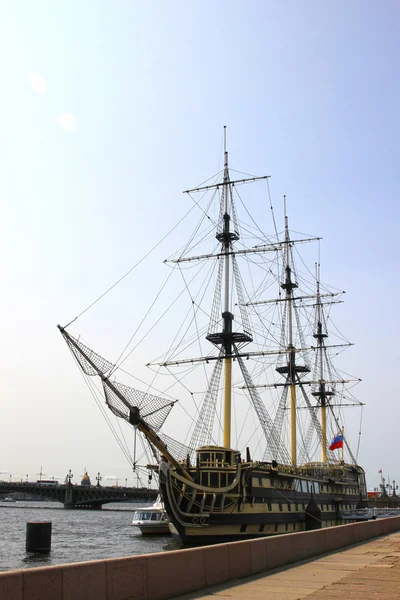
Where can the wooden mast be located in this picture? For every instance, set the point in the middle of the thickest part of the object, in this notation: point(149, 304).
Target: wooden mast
point(321, 374)
point(227, 315)
point(322, 393)
point(288, 285)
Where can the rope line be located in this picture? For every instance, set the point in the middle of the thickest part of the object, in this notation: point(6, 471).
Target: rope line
point(132, 268)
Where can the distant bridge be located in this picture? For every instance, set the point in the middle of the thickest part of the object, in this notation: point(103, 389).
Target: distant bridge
point(80, 496)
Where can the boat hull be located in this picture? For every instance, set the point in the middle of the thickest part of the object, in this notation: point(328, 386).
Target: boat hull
point(260, 501)
point(162, 529)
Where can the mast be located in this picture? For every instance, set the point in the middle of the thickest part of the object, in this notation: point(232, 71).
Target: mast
point(321, 393)
point(227, 340)
point(227, 315)
point(291, 370)
point(288, 285)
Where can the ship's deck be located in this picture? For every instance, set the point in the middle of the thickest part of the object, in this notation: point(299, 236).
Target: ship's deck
point(367, 571)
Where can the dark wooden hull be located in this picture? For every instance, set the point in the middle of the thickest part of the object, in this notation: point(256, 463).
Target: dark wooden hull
point(258, 501)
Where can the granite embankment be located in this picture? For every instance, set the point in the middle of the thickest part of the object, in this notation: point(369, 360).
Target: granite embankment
point(169, 574)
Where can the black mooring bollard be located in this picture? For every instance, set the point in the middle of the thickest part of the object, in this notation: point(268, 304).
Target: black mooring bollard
point(38, 536)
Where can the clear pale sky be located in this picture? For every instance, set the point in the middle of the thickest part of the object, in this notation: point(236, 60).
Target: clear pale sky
point(127, 112)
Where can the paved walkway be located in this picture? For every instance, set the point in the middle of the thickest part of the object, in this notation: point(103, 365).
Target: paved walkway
point(369, 570)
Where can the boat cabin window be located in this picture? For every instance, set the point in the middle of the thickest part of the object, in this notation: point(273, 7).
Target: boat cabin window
point(156, 517)
point(142, 516)
point(304, 486)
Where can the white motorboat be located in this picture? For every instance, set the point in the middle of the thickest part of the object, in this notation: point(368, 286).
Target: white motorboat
point(152, 520)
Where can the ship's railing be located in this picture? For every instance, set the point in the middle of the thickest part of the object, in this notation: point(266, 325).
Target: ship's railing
point(370, 513)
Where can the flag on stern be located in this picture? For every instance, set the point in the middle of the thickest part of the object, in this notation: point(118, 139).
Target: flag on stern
point(337, 442)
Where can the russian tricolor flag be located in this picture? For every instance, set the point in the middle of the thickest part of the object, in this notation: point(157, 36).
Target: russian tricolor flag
point(337, 442)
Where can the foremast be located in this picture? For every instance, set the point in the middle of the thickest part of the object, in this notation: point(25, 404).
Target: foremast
point(226, 237)
point(227, 339)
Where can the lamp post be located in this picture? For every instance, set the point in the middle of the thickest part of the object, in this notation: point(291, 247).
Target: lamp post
point(98, 479)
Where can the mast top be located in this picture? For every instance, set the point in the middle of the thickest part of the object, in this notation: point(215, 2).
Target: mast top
point(286, 219)
point(226, 172)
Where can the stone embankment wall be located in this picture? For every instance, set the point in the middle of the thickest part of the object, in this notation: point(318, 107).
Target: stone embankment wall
point(168, 574)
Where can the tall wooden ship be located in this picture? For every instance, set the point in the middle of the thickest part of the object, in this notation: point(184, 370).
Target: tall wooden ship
point(270, 347)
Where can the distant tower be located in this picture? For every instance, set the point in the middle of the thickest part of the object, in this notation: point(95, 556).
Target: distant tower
point(86, 479)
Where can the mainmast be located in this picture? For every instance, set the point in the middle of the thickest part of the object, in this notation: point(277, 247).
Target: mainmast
point(322, 393)
point(291, 369)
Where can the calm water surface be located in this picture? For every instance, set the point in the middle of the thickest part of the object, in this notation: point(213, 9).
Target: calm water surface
point(77, 535)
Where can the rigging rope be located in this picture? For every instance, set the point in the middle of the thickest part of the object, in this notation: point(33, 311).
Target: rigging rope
point(132, 268)
point(289, 501)
point(89, 383)
point(264, 237)
point(272, 209)
point(116, 365)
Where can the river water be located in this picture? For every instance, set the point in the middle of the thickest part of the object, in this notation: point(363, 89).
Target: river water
point(77, 535)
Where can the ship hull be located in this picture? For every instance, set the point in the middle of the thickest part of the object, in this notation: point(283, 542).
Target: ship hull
point(231, 533)
point(260, 501)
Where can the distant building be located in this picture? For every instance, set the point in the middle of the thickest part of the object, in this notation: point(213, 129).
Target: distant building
point(86, 479)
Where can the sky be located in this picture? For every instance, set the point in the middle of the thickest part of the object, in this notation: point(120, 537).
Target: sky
point(109, 111)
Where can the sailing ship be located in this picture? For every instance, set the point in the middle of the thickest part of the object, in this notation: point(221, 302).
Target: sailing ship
point(271, 348)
